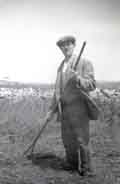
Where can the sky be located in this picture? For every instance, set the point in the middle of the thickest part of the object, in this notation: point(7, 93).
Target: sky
point(29, 30)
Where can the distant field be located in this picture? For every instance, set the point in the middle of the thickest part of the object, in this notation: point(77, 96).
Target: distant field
point(108, 85)
point(100, 84)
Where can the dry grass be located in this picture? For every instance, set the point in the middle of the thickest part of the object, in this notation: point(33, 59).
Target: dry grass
point(20, 121)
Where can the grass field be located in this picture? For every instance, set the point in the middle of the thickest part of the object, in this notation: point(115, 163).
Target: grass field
point(20, 120)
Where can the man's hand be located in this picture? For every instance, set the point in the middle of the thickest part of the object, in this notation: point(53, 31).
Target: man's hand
point(77, 78)
point(74, 75)
point(58, 98)
point(51, 116)
point(48, 116)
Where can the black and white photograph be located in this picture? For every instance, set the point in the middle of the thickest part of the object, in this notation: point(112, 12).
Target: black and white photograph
point(59, 92)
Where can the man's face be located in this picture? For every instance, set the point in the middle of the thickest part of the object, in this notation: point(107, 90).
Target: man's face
point(67, 48)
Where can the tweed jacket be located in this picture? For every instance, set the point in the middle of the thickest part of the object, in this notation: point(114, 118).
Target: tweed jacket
point(84, 73)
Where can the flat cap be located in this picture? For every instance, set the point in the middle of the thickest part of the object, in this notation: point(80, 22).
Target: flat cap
point(65, 39)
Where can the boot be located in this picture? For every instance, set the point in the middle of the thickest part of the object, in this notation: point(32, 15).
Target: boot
point(87, 173)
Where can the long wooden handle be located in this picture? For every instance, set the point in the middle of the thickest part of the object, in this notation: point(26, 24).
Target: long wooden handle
point(80, 54)
point(31, 146)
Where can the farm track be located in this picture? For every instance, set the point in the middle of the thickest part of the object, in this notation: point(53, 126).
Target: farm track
point(19, 123)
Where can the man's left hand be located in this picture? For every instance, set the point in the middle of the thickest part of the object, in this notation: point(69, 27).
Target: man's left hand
point(73, 75)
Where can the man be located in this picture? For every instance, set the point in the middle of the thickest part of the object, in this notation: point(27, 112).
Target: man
point(70, 105)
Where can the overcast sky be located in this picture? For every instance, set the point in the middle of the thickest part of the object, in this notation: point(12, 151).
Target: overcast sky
point(29, 30)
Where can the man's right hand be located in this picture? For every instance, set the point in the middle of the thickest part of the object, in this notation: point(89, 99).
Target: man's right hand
point(58, 98)
point(48, 116)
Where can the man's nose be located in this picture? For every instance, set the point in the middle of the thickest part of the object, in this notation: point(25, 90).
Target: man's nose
point(66, 46)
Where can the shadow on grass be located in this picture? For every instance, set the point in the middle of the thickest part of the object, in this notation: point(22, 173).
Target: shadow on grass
point(48, 160)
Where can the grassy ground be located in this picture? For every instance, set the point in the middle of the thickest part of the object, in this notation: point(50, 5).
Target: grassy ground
point(19, 123)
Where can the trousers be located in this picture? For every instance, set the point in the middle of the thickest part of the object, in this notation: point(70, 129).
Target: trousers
point(75, 135)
